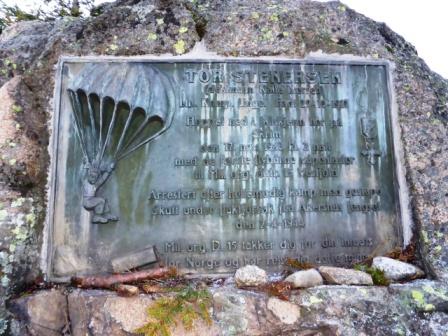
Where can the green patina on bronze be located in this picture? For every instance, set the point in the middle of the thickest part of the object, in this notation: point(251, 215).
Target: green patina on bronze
point(261, 161)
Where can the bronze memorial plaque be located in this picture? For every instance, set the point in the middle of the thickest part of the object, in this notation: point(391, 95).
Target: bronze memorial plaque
point(210, 165)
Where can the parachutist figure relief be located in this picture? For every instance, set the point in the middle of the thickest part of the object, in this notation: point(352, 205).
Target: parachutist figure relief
point(113, 121)
point(94, 179)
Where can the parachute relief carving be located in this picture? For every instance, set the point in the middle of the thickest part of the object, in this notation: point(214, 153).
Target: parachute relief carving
point(117, 108)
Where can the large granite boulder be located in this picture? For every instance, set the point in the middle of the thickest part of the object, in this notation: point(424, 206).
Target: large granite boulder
point(30, 50)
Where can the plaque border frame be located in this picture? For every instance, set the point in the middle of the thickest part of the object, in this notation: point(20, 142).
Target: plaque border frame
point(404, 223)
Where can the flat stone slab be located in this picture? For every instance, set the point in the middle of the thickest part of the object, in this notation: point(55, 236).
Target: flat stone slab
point(134, 260)
point(396, 270)
point(344, 276)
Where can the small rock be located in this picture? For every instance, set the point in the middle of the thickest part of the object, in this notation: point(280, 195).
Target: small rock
point(285, 311)
point(250, 275)
point(344, 276)
point(396, 270)
point(305, 279)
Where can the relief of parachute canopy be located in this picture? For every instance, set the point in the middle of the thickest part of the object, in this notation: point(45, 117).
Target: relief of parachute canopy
point(119, 107)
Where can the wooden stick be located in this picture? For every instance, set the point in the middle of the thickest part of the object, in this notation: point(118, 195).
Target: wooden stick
point(108, 281)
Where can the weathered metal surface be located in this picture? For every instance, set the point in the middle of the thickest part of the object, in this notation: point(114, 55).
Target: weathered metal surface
point(249, 162)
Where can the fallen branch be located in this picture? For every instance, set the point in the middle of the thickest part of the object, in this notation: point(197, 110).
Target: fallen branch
point(280, 289)
point(151, 289)
point(108, 281)
point(299, 265)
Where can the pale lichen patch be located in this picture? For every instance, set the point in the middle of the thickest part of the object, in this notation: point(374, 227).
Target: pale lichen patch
point(179, 47)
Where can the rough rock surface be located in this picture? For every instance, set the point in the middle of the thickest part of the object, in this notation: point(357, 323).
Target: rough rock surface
point(305, 279)
point(43, 313)
point(285, 311)
point(289, 28)
point(250, 275)
point(416, 308)
point(396, 270)
point(344, 276)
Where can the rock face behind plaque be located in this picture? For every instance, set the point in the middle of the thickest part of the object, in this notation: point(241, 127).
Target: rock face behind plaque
point(29, 53)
